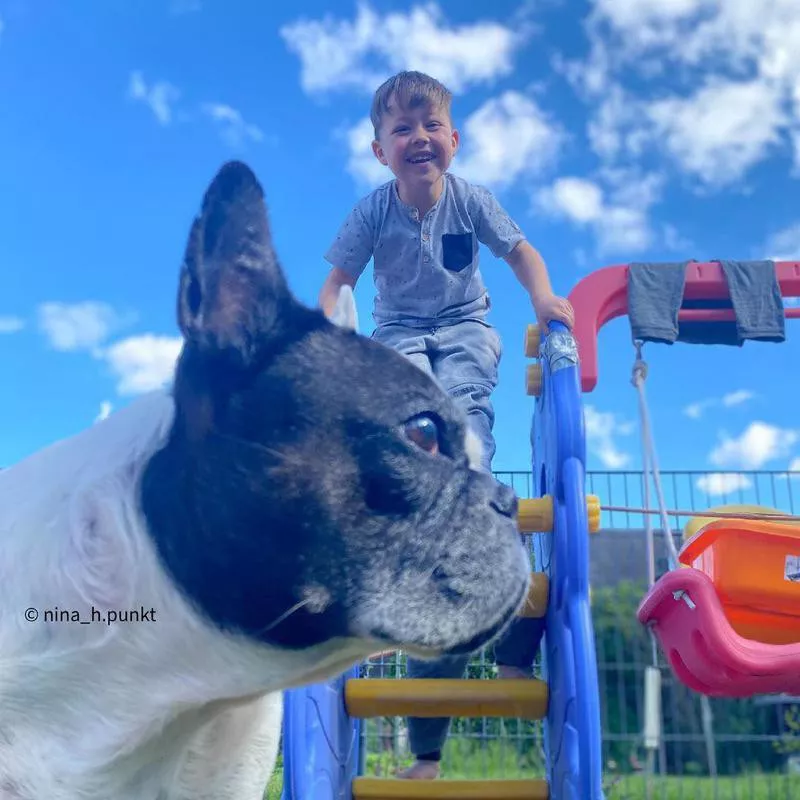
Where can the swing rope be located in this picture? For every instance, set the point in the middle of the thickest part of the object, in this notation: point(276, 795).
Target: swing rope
point(652, 732)
point(650, 465)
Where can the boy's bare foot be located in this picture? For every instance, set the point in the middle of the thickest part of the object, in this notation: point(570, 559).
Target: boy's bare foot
point(420, 771)
point(504, 671)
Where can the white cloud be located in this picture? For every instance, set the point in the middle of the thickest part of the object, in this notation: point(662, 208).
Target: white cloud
point(635, 14)
point(602, 430)
point(737, 398)
point(105, 409)
point(729, 400)
point(143, 363)
point(646, 24)
point(361, 53)
point(159, 97)
point(232, 125)
point(696, 410)
point(616, 127)
point(757, 445)
point(78, 326)
point(579, 199)
point(784, 245)
point(722, 130)
point(140, 363)
point(717, 483)
point(794, 465)
point(10, 324)
point(506, 138)
point(618, 217)
point(361, 161)
point(734, 89)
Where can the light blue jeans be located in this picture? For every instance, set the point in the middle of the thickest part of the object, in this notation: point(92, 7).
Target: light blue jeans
point(464, 358)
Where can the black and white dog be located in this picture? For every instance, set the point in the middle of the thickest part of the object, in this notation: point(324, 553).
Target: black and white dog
point(300, 498)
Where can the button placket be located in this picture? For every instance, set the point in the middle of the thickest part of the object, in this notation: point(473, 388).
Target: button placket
point(426, 239)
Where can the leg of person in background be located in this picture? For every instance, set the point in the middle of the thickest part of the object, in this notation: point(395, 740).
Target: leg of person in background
point(515, 652)
point(426, 736)
point(466, 360)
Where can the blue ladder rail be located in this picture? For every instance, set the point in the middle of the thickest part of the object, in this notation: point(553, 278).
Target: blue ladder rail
point(572, 735)
point(321, 742)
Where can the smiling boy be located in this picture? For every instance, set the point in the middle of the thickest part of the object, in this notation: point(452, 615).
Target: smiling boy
point(423, 230)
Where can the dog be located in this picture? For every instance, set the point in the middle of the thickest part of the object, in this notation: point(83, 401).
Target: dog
point(297, 498)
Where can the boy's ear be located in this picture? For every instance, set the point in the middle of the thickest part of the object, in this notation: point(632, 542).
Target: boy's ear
point(378, 150)
point(344, 313)
point(456, 139)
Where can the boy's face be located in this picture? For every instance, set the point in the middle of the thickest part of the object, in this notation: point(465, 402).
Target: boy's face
point(417, 144)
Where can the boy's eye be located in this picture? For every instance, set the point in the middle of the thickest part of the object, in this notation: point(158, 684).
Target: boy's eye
point(423, 432)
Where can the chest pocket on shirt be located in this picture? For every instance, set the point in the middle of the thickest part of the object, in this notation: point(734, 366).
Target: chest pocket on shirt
point(456, 251)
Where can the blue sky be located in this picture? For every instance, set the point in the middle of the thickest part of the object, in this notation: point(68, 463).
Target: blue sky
point(612, 131)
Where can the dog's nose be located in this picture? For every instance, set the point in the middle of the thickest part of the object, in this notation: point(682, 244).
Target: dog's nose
point(505, 500)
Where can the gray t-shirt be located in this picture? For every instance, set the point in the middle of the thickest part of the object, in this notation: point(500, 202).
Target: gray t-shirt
point(426, 271)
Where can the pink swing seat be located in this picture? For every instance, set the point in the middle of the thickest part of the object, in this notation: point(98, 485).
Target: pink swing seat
point(704, 651)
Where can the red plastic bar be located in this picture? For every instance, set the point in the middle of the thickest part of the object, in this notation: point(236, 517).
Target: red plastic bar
point(603, 296)
point(722, 314)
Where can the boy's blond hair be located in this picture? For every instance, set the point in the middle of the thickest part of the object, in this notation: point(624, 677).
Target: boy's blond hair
point(409, 89)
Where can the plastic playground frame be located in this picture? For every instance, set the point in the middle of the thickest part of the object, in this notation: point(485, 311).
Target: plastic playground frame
point(321, 742)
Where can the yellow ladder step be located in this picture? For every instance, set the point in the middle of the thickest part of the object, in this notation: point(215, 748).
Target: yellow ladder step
point(535, 514)
point(394, 789)
point(538, 596)
point(439, 697)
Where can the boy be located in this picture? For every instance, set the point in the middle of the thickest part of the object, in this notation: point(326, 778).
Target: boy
point(423, 231)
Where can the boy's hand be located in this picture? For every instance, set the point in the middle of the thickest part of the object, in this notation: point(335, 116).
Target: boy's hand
point(551, 307)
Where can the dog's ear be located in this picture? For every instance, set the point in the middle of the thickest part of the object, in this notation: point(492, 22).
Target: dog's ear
point(345, 314)
point(232, 288)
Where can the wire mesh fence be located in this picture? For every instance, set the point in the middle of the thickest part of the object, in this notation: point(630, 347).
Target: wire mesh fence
point(754, 753)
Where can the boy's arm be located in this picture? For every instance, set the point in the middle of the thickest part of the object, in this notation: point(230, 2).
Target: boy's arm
point(329, 293)
point(499, 232)
point(349, 254)
point(530, 269)
point(531, 272)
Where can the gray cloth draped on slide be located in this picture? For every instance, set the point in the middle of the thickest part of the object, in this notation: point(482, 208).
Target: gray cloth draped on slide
point(655, 295)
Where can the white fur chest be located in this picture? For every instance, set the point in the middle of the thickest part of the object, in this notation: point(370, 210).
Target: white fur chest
point(163, 708)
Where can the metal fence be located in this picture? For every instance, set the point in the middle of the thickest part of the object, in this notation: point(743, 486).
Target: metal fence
point(756, 742)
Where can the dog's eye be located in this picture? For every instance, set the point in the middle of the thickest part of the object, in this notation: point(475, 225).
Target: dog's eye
point(424, 432)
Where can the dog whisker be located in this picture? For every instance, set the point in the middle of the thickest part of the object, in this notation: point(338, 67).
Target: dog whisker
point(286, 614)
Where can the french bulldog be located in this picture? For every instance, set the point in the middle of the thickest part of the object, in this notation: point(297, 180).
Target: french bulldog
point(298, 498)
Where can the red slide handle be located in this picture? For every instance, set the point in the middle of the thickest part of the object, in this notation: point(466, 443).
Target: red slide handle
point(603, 296)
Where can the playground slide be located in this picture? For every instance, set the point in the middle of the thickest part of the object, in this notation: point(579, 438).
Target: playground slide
point(320, 742)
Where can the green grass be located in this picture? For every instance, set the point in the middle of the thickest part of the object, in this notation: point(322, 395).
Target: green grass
point(742, 787)
point(275, 785)
point(463, 761)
